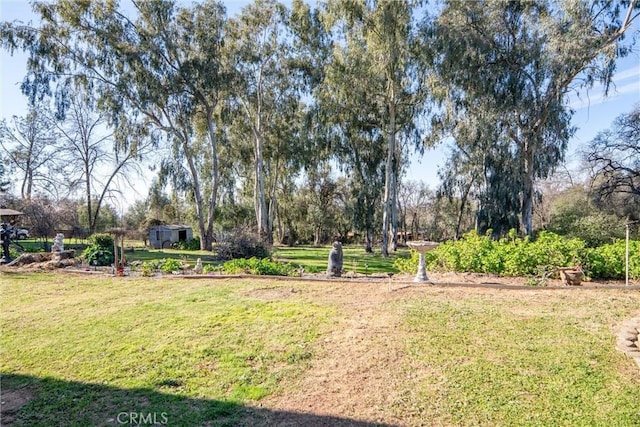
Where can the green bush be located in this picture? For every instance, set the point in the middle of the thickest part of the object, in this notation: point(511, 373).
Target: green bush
point(211, 268)
point(149, 267)
point(514, 256)
point(100, 250)
point(103, 240)
point(191, 245)
point(608, 261)
point(263, 267)
point(170, 265)
point(524, 257)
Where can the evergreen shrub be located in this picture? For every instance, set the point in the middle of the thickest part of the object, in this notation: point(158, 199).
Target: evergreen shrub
point(513, 256)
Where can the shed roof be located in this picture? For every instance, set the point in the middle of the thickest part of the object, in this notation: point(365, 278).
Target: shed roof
point(9, 212)
point(172, 227)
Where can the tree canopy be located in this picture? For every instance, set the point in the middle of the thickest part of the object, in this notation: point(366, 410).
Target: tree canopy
point(284, 115)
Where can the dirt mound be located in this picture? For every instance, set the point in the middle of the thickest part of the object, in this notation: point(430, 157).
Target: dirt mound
point(31, 258)
point(41, 261)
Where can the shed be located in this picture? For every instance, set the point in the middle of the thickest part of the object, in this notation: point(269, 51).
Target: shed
point(163, 236)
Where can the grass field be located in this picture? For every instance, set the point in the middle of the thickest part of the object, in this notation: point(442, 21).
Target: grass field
point(86, 349)
point(355, 258)
point(312, 258)
point(160, 338)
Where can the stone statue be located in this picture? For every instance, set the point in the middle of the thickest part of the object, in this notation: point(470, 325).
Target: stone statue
point(58, 243)
point(198, 268)
point(334, 269)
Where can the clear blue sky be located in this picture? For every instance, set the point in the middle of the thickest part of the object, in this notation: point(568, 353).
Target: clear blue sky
point(594, 113)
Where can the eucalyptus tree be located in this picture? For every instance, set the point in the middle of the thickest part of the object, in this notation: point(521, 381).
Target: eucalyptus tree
point(346, 108)
point(513, 63)
point(30, 144)
point(388, 31)
point(159, 71)
point(265, 96)
point(476, 172)
point(460, 182)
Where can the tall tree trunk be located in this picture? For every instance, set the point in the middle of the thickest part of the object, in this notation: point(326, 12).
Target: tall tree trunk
point(386, 215)
point(87, 183)
point(414, 226)
point(463, 203)
point(394, 205)
point(527, 196)
point(273, 201)
point(389, 187)
point(262, 216)
point(197, 195)
point(27, 184)
point(207, 238)
point(369, 230)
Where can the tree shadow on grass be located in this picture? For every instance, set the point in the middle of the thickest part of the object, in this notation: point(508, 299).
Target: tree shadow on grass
point(32, 401)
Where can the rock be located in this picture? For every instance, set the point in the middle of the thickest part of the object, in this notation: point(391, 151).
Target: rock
point(625, 343)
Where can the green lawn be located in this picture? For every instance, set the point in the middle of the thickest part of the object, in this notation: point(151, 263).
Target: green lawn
point(355, 258)
point(539, 359)
point(312, 258)
point(158, 338)
point(209, 351)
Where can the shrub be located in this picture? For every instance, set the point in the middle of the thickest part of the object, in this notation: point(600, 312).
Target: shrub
point(209, 268)
point(240, 244)
point(100, 250)
point(148, 267)
point(191, 245)
point(170, 265)
point(525, 257)
point(410, 264)
point(263, 267)
point(608, 261)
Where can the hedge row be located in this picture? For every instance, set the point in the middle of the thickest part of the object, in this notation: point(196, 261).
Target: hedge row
point(514, 256)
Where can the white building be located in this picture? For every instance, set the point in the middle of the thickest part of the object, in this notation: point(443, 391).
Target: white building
point(163, 236)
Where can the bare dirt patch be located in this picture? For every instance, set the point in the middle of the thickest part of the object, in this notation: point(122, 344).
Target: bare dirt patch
point(11, 401)
point(361, 358)
point(362, 372)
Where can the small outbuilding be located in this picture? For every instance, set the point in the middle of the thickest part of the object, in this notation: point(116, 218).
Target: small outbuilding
point(163, 236)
